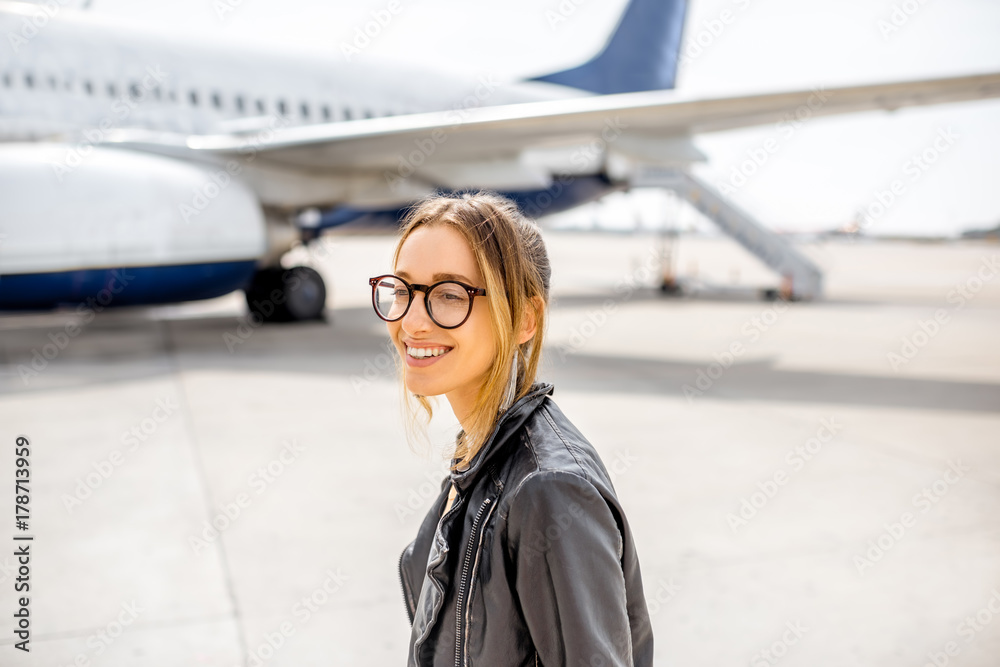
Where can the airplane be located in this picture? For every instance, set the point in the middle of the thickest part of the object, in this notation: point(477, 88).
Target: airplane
point(141, 169)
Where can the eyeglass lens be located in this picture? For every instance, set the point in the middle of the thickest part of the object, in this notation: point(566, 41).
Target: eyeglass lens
point(448, 303)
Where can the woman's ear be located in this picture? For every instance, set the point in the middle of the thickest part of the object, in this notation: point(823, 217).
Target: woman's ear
point(531, 311)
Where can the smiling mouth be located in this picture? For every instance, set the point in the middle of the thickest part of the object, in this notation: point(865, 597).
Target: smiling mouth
point(426, 352)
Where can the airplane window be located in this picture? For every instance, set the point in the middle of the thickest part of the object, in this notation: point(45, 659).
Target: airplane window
point(172, 95)
point(216, 100)
point(282, 107)
point(239, 103)
point(369, 114)
point(157, 93)
point(326, 112)
point(29, 80)
point(112, 90)
point(347, 114)
point(6, 80)
point(260, 106)
point(88, 87)
point(134, 91)
point(304, 108)
point(52, 83)
point(193, 96)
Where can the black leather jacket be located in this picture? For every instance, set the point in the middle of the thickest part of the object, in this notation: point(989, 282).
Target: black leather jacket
point(534, 563)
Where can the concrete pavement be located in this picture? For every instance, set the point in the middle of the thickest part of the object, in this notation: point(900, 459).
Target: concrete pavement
point(809, 484)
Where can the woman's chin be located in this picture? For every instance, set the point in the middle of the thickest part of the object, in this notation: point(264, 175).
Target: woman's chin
point(421, 387)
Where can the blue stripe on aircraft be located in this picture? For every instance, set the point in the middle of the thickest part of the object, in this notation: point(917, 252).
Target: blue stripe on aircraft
point(565, 193)
point(125, 286)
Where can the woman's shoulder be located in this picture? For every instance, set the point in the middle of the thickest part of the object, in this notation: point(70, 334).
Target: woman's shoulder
point(555, 459)
point(556, 444)
point(546, 503)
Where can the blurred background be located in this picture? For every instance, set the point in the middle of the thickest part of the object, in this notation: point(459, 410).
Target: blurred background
point(810, 481)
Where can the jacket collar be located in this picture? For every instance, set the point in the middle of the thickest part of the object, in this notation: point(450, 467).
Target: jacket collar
point(508, 423)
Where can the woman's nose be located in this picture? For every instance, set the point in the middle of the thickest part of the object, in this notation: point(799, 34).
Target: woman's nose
point(417, 318)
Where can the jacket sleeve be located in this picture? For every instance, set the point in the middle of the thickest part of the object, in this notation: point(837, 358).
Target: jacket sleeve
point(566, 549)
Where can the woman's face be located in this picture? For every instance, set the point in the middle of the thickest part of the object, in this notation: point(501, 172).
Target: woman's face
point(432, 253)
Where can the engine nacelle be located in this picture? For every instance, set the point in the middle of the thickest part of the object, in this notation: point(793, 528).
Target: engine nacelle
point(76, 219)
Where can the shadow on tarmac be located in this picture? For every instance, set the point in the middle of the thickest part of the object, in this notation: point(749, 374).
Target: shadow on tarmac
point(129, 344)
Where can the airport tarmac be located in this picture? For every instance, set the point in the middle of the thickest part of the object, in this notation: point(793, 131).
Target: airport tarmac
point(809, 484)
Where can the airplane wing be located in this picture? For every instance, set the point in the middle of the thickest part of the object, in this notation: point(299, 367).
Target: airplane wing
point(503, 131)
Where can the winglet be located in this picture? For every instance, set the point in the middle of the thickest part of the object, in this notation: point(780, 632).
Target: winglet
point(642, 53)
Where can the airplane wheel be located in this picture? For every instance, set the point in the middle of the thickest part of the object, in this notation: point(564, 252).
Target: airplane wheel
point(305, 293)
point(670, 287)
point(286, 295)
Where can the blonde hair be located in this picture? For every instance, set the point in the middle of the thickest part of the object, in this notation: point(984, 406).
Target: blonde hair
point(511, 255)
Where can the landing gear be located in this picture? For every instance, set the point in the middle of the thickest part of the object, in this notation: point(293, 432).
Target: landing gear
point(287, 295)
point(670, 286)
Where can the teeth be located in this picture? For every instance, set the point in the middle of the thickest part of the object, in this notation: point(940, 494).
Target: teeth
point(424, 352)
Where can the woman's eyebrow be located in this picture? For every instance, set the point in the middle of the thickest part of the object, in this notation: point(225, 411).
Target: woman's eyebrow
point(437, 277)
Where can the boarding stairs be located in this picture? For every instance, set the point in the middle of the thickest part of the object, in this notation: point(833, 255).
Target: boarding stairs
point(801, 278)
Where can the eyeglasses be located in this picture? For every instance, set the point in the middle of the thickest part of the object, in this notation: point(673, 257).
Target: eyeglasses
point(449, 302)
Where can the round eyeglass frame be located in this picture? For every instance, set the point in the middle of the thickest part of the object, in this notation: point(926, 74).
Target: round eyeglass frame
point(426, 289)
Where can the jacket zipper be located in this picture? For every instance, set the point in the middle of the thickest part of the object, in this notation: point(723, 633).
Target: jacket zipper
point(459, 500)
point(402, 581)
point(463, 581)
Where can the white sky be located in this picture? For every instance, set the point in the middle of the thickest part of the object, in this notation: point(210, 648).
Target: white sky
point(818, 178)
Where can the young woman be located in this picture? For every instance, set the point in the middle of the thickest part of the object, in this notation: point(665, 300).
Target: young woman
point(526, 557)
